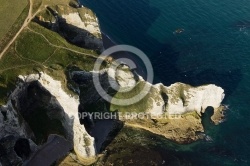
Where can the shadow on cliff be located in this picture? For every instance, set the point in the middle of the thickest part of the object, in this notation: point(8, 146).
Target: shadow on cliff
point(95, 113)
point(44, 115)
point(73, 34)
point(206, 121)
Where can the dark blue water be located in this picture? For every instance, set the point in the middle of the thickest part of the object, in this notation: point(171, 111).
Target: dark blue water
point(214, 48)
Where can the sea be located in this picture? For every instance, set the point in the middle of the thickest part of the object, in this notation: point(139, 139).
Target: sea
point(214, 48)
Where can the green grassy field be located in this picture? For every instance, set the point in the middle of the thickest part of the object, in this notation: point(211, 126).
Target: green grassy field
point(9, 12)
point(14, 28)
point(36, 49)
point(39, 49)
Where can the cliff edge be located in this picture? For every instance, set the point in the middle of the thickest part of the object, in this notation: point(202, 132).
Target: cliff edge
point(174, 111)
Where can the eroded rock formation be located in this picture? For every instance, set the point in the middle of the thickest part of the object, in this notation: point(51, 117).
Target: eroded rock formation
point(78, 25)
point(175, 111)
point(74, 131)
point(40, 104)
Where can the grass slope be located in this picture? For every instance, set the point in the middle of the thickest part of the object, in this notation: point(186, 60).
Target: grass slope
point(39, 49)
point(9, 12)
point(7, 35)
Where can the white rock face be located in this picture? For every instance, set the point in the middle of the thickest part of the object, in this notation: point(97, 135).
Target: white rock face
point(184, 98)
point(86, 23)
point(158, 103)
point(79, 26)
point(84, 144)
point(179, 98)
point(125, 79)
point(90, 24)
point(121, 77)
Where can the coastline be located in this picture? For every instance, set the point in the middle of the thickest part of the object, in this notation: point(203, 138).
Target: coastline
point(140, 67)
point(107, 41)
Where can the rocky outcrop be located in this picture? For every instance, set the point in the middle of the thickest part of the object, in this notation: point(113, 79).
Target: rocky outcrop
point(42, 105)
point(74, 131)
point(15, 135)
point(174, 112)
point(11, 123)
point(15, 150)
point(78, 25)
point(184, 98)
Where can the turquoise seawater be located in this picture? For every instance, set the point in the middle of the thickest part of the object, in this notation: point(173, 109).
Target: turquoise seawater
point(214, 48)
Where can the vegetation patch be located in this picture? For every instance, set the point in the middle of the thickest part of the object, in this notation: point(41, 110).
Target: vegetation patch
point(8, 29)
point(9, 77)
point(34, 47)
point(9, 14)
point(141, 106)
point(38, 49)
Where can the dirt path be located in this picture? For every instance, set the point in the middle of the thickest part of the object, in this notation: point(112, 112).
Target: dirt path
point(61, 47)
point(26, 22)
point(144, 128)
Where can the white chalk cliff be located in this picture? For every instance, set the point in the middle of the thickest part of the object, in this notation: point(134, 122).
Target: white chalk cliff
point(90, 23)
point(184, 98)
point(181, 98)
point(174, 101)
point(82, 141)
point(78, 25)
point(176, 109)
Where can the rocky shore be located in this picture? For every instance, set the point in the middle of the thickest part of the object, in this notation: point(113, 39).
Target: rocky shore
point(174, 112)
point(40, 106)
point(180, 109)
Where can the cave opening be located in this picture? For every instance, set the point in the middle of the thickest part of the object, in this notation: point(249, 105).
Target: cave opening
point(4, 113)
point(22, 148)
point(206, 118)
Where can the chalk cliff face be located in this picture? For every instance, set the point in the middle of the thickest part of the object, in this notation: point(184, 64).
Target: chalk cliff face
point(41, 103)
point(78, 25)
point(184, 98)
point(83, 143)
point(176, 110)
point(175, 100)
